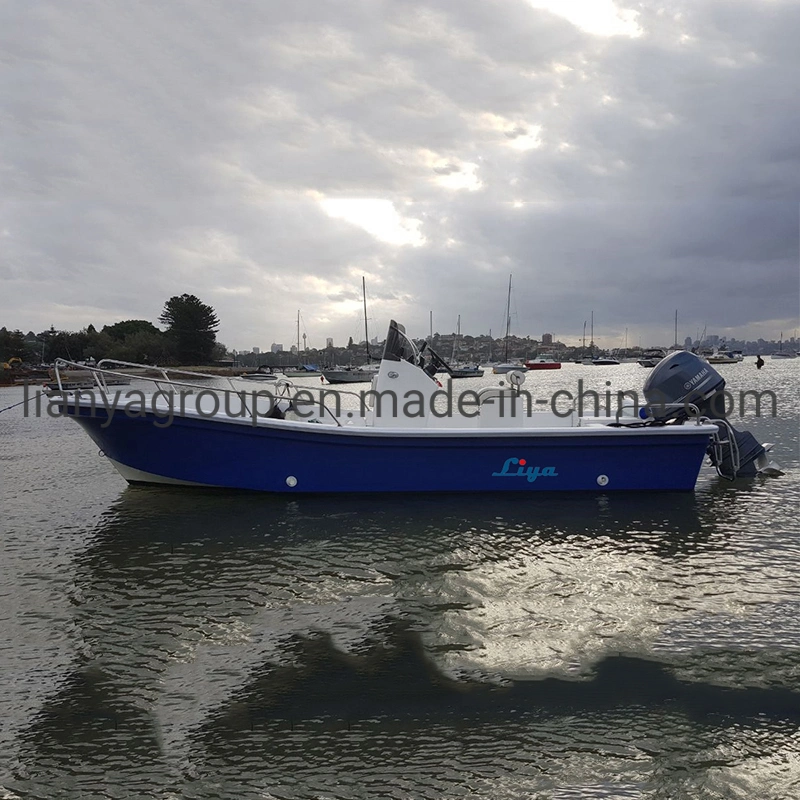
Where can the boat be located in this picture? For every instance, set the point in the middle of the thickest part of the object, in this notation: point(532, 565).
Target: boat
point(651, 357)
point(781, 353)
point(507, 366)
point(303, 371)
point(261, 374)
point(473, 371)
point(353, 374)
point(720, 355)
point(588, 360)
point(455, 370)
point(300, 440)
point(604, 361)
point(542, 361)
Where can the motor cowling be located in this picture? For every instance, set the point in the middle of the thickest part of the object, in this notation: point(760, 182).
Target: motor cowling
point(682, 386)
point(680, 381)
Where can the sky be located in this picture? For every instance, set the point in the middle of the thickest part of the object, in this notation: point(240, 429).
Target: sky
point(628, 159)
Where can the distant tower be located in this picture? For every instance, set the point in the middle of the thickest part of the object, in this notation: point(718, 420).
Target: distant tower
point(329, 342)
point(305, 346)
point(547, 338)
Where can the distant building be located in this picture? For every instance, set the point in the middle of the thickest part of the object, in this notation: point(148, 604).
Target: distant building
point(293, 349)
point(276, 348)
point(257, 350)
point(329, 342)
point(687, 343)
point(547, 338)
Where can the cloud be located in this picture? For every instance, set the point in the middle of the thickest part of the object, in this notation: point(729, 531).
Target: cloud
point(266, 156)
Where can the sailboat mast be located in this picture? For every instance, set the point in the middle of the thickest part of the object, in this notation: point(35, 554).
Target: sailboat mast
point(366, 331)
point(591, 338)
point(676, 328)
point(430, 340)
point(298, 332)
point(508, 320)
point(458, 336)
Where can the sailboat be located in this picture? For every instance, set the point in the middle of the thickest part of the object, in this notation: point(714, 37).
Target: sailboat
point(598, 360)
point(462, 371)
point(355, 374)
point(506, 366)
point(783, 353)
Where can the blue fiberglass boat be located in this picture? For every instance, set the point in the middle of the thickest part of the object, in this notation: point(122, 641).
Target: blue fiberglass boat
point(404, 435)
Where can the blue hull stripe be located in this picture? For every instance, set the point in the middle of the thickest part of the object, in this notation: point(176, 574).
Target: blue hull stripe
point(262, 459)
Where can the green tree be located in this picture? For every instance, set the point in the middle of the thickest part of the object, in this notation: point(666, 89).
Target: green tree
point(144, 347)
point(119, 330)
point(192, 326)
point(12, 344)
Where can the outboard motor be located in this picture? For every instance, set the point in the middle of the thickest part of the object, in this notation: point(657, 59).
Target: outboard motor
point(682, 386)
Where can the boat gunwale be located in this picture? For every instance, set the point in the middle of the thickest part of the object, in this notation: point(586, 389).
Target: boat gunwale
point(596, 427)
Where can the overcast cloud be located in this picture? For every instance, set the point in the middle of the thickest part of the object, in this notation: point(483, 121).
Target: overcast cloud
point(631, 160)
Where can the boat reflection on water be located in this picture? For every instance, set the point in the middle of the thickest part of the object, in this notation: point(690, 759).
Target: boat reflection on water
point(217, 627)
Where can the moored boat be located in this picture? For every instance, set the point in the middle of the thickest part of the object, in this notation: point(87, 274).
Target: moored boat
point(351, 374)
point(651, 357)
point(781, 353)
point(303, 371)
point(502, 369)
point(542, 361)
point(262, 374)
point(396, 440)
point(465, 372)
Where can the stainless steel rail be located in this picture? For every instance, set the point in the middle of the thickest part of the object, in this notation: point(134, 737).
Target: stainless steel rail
point(101, 371)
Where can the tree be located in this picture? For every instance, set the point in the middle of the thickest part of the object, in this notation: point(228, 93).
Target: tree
point(12, 344)
point(144, 347)
point(192, 326)
point(128, 327)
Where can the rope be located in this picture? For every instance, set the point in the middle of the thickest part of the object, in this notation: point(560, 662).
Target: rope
point(8, 408)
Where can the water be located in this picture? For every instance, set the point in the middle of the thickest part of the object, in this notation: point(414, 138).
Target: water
point(182, 644)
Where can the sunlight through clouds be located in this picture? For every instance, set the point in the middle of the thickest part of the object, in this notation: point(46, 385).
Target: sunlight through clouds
point(377, 217)
point(599, 17)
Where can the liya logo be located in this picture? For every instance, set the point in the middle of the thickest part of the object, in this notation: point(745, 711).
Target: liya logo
point(518, 468)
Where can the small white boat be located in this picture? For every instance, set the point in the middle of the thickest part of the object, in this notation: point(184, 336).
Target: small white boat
point(303, 371)
point(783, 354)
point(264, 377)
point(651, 357)
point(721, 355)
point(502, 369)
